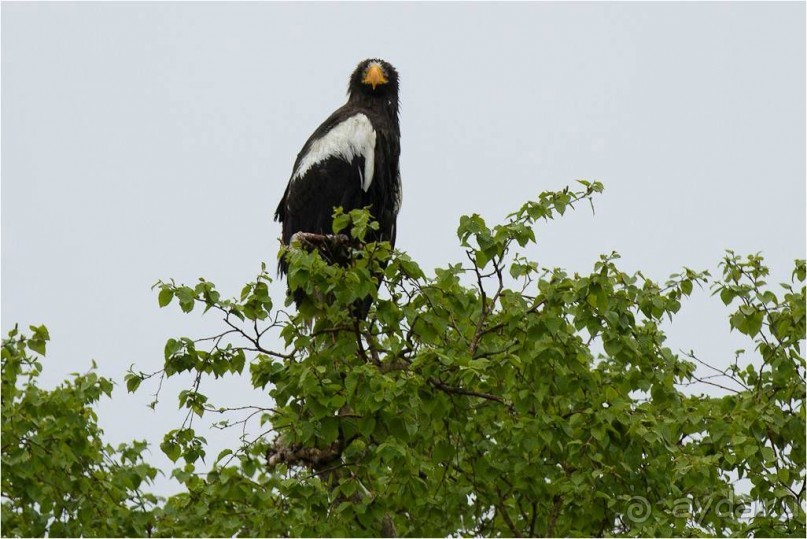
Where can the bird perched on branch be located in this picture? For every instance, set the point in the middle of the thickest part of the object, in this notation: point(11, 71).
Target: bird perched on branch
point(351, 160)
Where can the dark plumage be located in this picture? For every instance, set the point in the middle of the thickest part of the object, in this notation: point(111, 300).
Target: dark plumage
point(351, 160)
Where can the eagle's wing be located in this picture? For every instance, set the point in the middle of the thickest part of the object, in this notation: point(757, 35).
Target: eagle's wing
point(335, 168)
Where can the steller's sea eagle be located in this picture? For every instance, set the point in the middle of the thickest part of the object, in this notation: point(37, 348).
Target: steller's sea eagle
point(351, 160)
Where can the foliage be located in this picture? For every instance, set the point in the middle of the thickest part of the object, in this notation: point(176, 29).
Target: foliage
point(494, 397)
point(59, 478)
point(474, 402)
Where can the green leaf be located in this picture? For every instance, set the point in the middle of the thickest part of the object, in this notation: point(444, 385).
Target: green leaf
point(443, 451)
point(340, 222)
point(329, 429)
point(686, 287)
point(37, 346)
point(132, 382)
point(165, 297)
point(171, 450)
point(223, 454)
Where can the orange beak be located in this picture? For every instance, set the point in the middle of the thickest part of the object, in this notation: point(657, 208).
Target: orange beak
point(374, 76)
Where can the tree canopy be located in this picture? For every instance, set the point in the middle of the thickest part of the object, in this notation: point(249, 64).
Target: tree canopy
point(492, 397)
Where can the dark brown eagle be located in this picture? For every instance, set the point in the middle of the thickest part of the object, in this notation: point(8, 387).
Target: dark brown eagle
point(351, 160)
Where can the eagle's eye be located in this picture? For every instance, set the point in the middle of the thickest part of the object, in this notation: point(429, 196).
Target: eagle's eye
point(374, 75)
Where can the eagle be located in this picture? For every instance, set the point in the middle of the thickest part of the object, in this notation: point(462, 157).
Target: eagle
point(350, 161)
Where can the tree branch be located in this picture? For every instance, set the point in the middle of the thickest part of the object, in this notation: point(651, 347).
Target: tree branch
point(462, 391)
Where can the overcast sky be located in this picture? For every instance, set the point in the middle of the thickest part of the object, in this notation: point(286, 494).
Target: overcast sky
point(151, 140)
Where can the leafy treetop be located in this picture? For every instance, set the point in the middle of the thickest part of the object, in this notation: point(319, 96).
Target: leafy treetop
point(494, 397)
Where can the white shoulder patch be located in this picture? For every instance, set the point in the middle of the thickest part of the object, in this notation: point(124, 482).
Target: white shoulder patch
point(348, 139)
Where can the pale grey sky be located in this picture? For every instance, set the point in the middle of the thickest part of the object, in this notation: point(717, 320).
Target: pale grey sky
point(151, 140)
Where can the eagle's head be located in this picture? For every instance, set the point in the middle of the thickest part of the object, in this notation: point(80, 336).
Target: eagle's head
point(374, 78)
